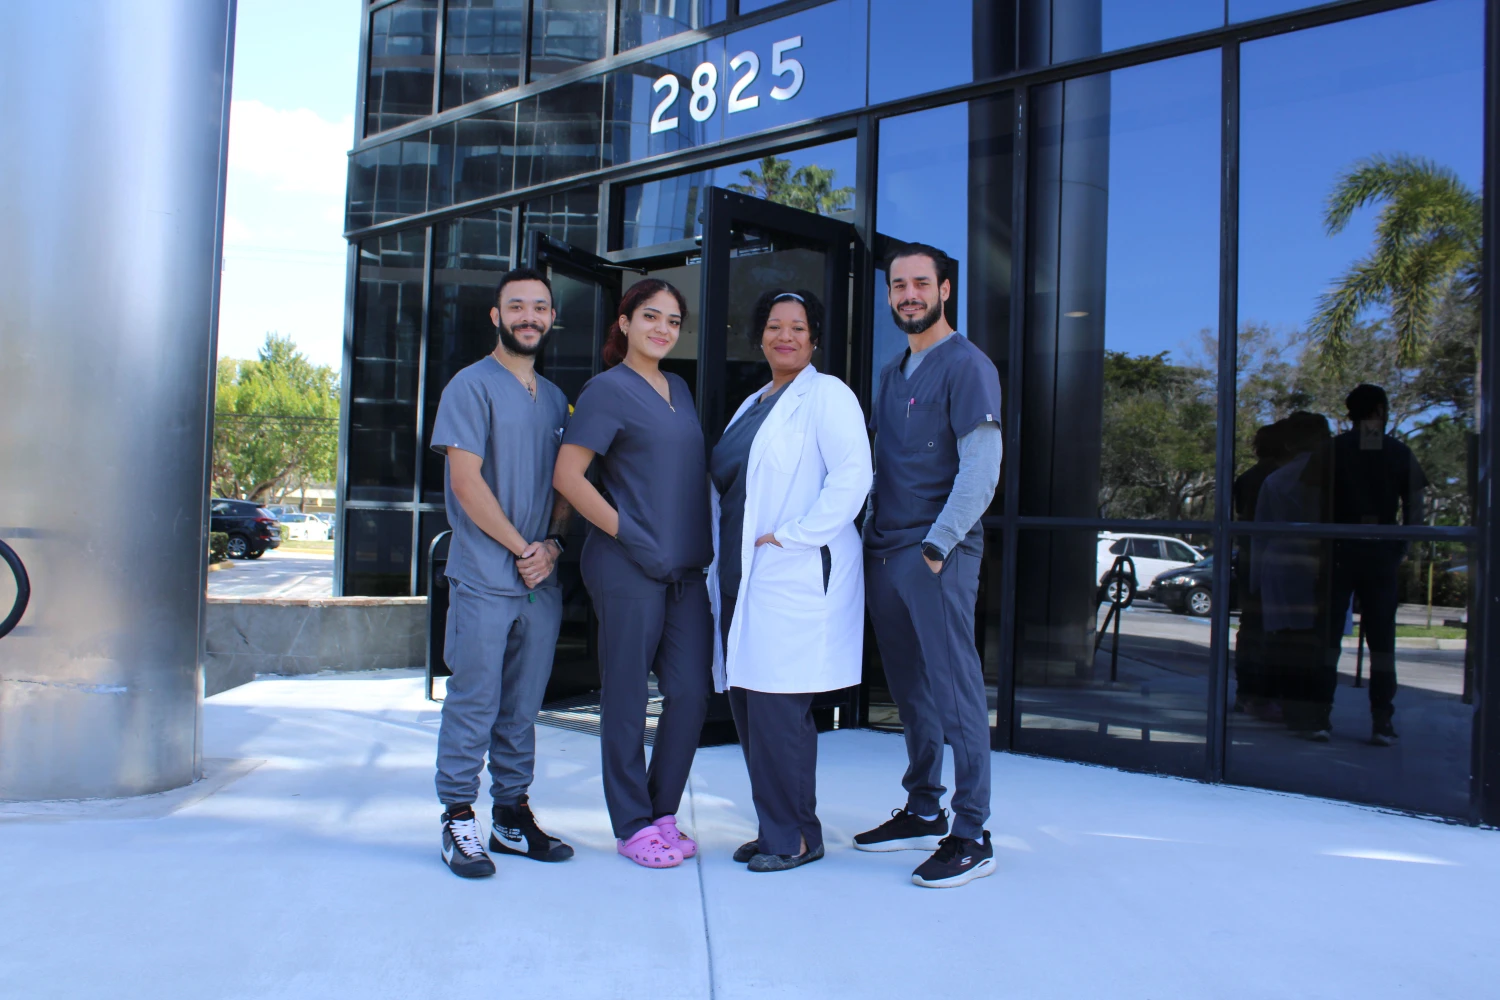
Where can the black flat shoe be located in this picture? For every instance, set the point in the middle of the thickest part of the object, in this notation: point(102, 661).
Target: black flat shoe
point(745, 852)
point(784, 862)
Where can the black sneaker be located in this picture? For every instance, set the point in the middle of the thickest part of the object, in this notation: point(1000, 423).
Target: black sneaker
point(746, 851)
point(1384, 735)
point(957, 861)
point(462, 850)
point(513, 830)
point(904, 831)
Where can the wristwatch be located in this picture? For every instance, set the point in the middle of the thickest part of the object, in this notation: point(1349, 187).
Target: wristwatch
point(932, 552)
point(561, 545)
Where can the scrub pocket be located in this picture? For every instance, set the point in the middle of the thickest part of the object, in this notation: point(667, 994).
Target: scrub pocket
point(925, 427)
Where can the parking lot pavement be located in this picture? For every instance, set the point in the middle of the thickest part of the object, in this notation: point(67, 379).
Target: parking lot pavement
point(275, 574)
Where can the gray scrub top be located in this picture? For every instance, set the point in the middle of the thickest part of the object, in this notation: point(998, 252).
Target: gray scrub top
point(653, 468)
point(729, 465)
point(487, 411)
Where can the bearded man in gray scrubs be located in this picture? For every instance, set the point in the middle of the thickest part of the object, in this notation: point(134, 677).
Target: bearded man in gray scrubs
point(937, 460)
point(500, 424)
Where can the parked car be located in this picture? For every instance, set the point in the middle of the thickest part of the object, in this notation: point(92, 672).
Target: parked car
point(251, 528)
point(278, 509)
point(327, 519)
point(303, 527)
point(1189, 590)
point(1152, 555)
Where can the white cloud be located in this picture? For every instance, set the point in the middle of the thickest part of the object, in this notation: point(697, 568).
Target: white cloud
point(296, 150)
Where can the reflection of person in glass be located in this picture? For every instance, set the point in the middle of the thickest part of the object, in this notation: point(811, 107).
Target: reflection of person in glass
point(643, 564)
point(937, 459)
point(1285, 573)
point(1375, 479)
point(1255, 693)
point(790, 474)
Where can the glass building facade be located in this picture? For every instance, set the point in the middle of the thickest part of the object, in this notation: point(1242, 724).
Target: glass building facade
point(1184, 232)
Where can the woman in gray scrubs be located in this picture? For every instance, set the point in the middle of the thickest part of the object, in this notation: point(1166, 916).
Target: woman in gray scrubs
point(790, 473)
point(643, 565)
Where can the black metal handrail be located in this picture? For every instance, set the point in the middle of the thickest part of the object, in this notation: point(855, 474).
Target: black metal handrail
point(437, 613)
point(23, 589)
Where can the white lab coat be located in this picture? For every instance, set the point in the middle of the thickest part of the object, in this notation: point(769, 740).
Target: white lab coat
point(809, 473)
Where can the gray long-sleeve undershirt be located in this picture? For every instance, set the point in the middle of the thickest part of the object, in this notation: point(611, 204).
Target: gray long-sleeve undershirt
point(979, 454)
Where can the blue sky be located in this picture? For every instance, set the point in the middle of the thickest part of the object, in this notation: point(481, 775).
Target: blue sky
point(291, 124)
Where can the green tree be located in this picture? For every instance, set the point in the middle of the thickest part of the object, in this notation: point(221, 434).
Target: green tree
point(1157, 454)
point(1427, 249)
point(809, 188)
point(275, 423)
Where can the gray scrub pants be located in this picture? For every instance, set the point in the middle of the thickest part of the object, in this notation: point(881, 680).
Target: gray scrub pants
point(500, 651)
point(924, 624)
point(780, 742)
point(646, 626)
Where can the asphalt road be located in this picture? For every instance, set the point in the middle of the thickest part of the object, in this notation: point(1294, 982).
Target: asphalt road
point(275, 574)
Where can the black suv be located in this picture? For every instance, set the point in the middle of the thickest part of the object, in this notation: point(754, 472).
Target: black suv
point(251, 528)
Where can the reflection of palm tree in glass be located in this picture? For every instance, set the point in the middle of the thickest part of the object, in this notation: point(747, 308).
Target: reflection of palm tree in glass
point(809, 188)
point(1427, 248)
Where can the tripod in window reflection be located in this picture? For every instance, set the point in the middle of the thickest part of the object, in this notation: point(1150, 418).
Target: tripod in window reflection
point(1120, 595)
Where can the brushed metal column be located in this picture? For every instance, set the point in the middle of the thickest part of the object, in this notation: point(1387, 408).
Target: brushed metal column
point(113, 128)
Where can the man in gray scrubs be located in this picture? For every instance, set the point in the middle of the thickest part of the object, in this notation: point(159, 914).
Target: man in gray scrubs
point(500, 424)
point(937, 460)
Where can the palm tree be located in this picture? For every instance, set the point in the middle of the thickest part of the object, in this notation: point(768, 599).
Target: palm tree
point(809, 188)
point(1427, 247)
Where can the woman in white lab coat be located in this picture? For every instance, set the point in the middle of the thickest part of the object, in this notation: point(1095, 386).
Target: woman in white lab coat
point(790, 474)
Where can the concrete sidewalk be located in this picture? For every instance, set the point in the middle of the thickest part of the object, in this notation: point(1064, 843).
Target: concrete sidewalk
point(315, 874)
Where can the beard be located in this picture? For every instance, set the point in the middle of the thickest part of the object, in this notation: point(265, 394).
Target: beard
point(510, 343)
point(920, 324)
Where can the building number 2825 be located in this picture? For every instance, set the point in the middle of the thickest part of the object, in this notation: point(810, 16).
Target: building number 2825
point(704, 100)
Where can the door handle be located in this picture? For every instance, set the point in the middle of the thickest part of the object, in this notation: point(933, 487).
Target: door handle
point(23, 589)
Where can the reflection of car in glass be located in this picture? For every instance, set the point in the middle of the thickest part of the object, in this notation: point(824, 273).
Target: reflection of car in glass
point(1189, 590)
point(250, 527)
point(1152, 555)
point(303, 527)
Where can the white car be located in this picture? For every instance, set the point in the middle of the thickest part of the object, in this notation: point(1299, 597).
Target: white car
point(1152, 555)
point(303, 527)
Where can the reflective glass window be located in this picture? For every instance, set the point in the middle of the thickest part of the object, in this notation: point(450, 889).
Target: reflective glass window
point(469, 255)
point(1249, 10)
point(649, 103)
point(1082, 28)
point(389, 181)
point(646, 21)
point(403, 64)
point(977, 39)
point(566, 33)
point(803, 66)
point(570, 357)
point(377, 552)
point(383, 378)
point(1111, 665)
point(1320, 619)
point(481, 49)
point(473, 158)
point(1360, 267)
point(1120, 377)
point(816, 179)
point(559, 132)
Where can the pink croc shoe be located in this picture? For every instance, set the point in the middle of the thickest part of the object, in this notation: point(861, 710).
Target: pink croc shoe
point(669, 832)
point(650, 849)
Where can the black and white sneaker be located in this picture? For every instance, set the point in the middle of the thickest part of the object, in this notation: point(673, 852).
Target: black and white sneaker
point(513, 830)
point(1384, 735)
point(462, 850)
point(904, 831)
point(957, 862)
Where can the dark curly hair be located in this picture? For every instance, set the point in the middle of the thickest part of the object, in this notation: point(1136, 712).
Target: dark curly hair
point(615, 342)
point(755, 332)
